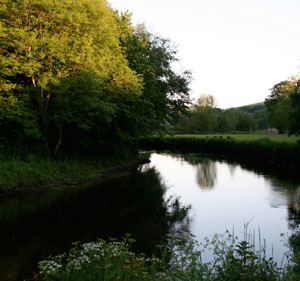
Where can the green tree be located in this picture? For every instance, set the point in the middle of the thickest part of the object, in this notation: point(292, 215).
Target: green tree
point(246, 122)
point(262, 118)
point(205, 115)
point(279, 105)
point(44, 46)
point(165, 93)
point(294, 121)
point(231, 117)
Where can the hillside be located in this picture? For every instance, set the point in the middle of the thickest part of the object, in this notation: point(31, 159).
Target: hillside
point(252, 108)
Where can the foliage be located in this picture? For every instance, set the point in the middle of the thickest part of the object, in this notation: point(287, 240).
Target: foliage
point(280, 106)
point(100, 261)
point(211, 119)
point(246, 122)
point(165, 93)
point(45, 42)
point(206, 101)
point(77, 76)
point(294, 124)
point(35, 170)
point(232, 259)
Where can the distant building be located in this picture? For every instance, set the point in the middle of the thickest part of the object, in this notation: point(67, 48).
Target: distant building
point(272, 131)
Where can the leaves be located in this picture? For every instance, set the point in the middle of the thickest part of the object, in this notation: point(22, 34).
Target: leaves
point(78, 68)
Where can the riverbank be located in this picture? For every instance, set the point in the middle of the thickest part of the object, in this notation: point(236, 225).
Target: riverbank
point(246, 136)
point(34, 173)
point(285, 155)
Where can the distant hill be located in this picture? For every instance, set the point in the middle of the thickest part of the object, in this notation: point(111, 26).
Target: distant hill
point(252, 108)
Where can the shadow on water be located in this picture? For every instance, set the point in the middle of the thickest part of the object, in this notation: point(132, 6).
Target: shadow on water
point(38, 225)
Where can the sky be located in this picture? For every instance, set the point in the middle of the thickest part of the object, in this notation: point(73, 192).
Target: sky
point(236, 49)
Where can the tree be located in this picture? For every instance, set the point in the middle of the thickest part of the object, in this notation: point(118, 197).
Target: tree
point(46, 44)
point(279, 105)
point(294, 121)
point(77, 74)
point(206, 100)
point(231, 117)
point(205, 115)
point(262, 118)
point(246, 122)
point(165, 93)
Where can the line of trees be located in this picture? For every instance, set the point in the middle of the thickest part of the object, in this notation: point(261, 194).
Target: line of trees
point(281, 110)
point(206, 117)
point(77, 75)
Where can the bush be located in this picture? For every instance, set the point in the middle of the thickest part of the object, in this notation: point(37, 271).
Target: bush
point(100, 261)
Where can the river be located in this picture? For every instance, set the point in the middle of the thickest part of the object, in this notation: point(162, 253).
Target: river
point(172, 194)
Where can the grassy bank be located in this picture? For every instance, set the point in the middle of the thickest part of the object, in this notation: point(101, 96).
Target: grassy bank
point(247, 137)
point(262, 150)
point(35, 171)
point(231, 259)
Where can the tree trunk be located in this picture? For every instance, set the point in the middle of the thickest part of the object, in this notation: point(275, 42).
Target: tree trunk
point(57, 146)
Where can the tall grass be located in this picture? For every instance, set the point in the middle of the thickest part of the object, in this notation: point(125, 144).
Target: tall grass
point(232, 260)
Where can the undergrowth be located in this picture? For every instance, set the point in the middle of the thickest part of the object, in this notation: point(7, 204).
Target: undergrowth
point(35, 171)
point(232, 260)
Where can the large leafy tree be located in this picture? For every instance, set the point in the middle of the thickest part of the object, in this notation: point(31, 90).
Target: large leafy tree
point(77, 73)
point(165, 92)
point(44, 45)
point(279, 105)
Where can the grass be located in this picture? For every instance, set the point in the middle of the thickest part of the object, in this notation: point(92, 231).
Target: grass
point(34, 171)
point(247, 137)
point(232, 260)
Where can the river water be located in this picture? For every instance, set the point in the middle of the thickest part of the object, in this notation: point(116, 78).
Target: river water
point(172, 194)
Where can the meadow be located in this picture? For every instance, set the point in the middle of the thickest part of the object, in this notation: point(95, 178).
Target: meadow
point(247, 137)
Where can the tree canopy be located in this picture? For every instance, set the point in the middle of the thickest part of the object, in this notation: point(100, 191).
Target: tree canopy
point(283, 106)
point(77, 72)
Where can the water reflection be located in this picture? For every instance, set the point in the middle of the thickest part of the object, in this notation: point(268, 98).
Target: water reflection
point(206, 175)
point(288, 190)
point(38, 225)
point(42, 224)
point(235, 195)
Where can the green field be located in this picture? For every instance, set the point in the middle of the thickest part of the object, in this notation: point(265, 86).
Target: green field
point(248, 137)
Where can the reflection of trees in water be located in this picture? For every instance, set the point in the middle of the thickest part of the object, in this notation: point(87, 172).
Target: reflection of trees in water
point(133, 204)
point(232, 169)
point(206, 174)
point(289, 189)
point(178, 219)
point(206, 169)
point(293, 207)
point(173, 216)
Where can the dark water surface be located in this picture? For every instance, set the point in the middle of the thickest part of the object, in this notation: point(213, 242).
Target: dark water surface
point(221, 195)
